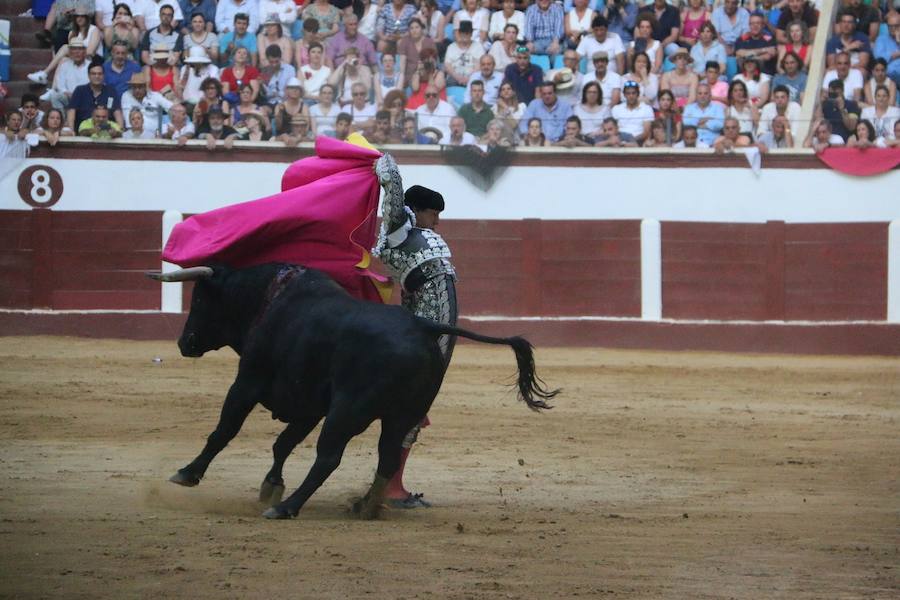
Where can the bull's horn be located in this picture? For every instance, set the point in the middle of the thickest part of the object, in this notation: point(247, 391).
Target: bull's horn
point(189, 274)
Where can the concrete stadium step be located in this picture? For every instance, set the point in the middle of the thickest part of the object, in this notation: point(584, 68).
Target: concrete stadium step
point(26, 60)
point(12, 8)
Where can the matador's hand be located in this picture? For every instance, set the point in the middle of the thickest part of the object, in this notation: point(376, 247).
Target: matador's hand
point(386, 169)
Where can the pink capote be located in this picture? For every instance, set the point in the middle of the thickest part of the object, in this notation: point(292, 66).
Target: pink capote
point(324, 218)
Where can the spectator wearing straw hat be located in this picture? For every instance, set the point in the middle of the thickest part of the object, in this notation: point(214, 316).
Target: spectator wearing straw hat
point(568, 79)
point(197, 68)
point(163, 37)
point(151, 104)
point(71, 73)
point(94, 93)
point(299, 131)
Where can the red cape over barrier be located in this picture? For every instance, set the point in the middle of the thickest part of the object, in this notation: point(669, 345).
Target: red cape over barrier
point(861, 162)
point(324, 218)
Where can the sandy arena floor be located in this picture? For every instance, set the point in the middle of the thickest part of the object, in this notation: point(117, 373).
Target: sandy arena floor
point(656, 476)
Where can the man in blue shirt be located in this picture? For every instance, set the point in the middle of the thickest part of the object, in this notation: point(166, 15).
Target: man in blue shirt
point(524, 76)
point(91, 95)
point(731, 21)
point(851, 42)
point(118, 71)
point(239, 38)
point(552, 112)
point(707, 116)
point(888, 47)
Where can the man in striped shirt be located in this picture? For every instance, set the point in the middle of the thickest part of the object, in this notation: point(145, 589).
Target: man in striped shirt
point(544, 28)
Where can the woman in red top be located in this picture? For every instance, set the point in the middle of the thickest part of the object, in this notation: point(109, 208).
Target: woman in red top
point(798, 43)
point(669, 115)
point(162, 75)
point(240, 73)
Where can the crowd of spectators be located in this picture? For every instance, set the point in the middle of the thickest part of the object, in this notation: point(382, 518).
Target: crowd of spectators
point(578, 73)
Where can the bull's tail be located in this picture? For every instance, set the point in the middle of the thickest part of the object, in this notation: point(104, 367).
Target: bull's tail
point(532, 389)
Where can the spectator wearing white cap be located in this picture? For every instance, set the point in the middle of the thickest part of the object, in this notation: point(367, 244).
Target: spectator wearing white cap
point(197, 67)
point(292, 105)
point(634, 117)
point(71, 72)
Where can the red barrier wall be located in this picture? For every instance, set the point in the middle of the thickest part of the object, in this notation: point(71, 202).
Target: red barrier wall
point(771, 271)
point(775, 271)
point(79, 260)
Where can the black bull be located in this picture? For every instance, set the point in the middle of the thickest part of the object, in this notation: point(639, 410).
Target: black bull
point(310, 351)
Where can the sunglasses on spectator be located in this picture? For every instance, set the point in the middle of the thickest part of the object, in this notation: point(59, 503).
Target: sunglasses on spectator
point(432, 95)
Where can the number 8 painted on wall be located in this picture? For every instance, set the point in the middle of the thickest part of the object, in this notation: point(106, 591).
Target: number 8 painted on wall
point(40, 186)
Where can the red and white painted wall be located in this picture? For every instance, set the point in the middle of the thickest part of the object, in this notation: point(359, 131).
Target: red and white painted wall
point(629, 250)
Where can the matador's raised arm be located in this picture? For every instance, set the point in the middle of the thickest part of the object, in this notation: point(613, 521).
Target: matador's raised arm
point(396, 217)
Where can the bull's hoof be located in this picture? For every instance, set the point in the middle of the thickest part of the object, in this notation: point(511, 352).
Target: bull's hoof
point(277, 512)
point(270, 493)
point(366, 509)
point(185, 478)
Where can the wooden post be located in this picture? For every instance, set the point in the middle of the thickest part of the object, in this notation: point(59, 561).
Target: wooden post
point(775, 279)
point(42, 261)
point(532, 249)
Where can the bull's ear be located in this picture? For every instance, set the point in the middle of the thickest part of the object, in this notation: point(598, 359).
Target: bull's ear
point(189, 274)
